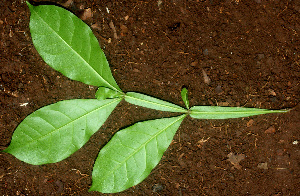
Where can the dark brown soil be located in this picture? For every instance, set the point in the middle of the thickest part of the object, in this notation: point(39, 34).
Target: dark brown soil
point(249, 51)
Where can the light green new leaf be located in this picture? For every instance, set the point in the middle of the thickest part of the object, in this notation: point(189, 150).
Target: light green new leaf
point(217, 112)
point(132, 153)
point(69, 46)
point(106, 93)
point(184, 95)
point(152, 103)
point(56, 131)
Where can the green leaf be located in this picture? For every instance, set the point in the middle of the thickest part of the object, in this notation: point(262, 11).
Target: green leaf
point(152, 103)
point(184, 95)
point(69, 46)
point(106, 93)
point(217, 112)
point(56, 131)
point(132, 153)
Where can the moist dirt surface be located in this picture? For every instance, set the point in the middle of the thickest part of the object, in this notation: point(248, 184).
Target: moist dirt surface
point(227, 53)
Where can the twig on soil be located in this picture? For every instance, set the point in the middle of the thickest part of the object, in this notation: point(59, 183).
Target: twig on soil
point(112, 26)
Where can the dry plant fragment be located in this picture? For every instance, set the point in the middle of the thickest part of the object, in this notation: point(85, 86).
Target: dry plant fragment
point(205, 77)
point(68, 3)
point(201, 142)
point(263, 166)
point(112, 26)
point(235, 160)
point(87, 13)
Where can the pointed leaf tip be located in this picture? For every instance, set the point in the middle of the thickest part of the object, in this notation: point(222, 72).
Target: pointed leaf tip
point(184, 95)
point(56, 131)
point(69, 46)
point(218, 112)
point(29, 5)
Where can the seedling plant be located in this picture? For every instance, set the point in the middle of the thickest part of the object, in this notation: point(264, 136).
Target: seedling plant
point(54, 132)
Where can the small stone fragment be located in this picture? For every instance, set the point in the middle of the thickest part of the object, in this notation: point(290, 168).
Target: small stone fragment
point(250, 123)
point(136, 70)
point(87, 13)
point(272, 92)
point(96, 26)
point(235, 160)
point(260, 56)
point(60, 186)
point(23, 104)
point(281, 141)
point(205, 52)
point(295, 142)
point(224, 103)
point(124, 30)
point(68, 3)
point(263, 166)
point(180, 161)
point(219, 89)
point(159, 2)
point(10, 33)
point(270, 130)
point(193, 64)
point(157, 188)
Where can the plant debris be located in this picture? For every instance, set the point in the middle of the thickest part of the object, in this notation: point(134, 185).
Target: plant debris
point(263, 166)
point(235, 160)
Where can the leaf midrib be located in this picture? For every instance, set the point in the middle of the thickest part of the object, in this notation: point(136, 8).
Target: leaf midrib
point(101, 78)
point(158, 104)
point(57, 129)
point(237, 112)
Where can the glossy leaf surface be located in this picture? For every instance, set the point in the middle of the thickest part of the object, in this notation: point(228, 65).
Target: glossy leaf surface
point(217, 112)
point(184, 95)
point(106, 93)
point(152, 103)
point(56, 131)
point(132, 153)
point(69, 46)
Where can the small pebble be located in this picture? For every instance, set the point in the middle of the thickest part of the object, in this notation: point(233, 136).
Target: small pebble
point(260, 56)
point(157, 188)
point(219, 89)
point(250, 123)
point(262, 165)
point(205, 52)
point(270, 130)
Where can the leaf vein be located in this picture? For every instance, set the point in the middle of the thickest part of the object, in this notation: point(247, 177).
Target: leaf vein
point(158, 104)
point(112, 171)
point(92, 68)
point(55, 130)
